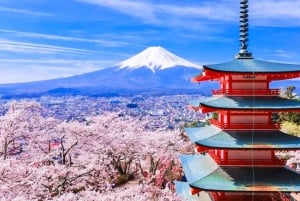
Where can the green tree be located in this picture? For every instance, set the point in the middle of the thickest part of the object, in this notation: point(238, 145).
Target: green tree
point(293, 117)
point(289, 93)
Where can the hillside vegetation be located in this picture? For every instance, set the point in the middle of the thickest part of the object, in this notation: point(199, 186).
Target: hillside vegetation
point(291, 128)
point(290, 120)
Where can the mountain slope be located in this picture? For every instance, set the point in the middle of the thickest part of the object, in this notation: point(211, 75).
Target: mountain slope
point(153, 70)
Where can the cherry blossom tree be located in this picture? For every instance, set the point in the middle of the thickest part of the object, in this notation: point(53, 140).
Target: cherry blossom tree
point(20, 120)
point(112, 157)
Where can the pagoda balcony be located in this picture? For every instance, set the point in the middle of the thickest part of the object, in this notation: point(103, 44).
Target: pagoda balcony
point(247, 92)
point(247, 162)
point(234, 126)
point(233, 196)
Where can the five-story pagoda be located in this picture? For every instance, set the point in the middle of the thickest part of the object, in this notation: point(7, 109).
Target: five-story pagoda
point(236, 154)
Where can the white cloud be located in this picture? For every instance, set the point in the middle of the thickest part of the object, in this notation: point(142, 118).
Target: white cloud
point(152, 12)
point(212, 11)
point(149, 11)
point(284, 54)
point(266, 13)
point(275, 9)
point(23, 11)
point(22, 47)
point(193, 17)
point(275, 13)
point(280, 56)
point(25, 70)
point(105, 43)
point(136, 8)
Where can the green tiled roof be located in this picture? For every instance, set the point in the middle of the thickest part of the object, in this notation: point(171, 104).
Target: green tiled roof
point(200, 133)
point(183, 189)
point(237, 179)
point(258, 103)
point(197, 166)
point(203, 99)
point(253, 65)
point(211, 136)
point(250, 179)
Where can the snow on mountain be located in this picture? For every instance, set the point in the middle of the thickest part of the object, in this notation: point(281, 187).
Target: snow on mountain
point(155, 58)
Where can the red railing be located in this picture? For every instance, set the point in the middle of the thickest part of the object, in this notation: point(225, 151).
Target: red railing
point(245, 125)
point(242, 196)
point(247, 92)
point(253, 162)
point(247, 162)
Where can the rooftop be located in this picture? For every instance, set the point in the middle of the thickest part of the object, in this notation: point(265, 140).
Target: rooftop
point(182, 189)
point(248, 103)
point(211, 136)
point(237, 179)
point(253, 65)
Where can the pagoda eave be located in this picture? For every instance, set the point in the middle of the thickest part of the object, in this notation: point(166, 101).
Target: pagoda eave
point(283, 74)
point(201, 78)
point(213, 177)
point(212, 137)
point(214, 75)
point(248, 103)
point(266, 189)
point(204, 147)
point(206, 109)
point(253, 66)
point(184, 189)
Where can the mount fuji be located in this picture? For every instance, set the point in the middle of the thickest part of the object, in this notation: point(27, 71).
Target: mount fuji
point(155, 58)
point(154, 70)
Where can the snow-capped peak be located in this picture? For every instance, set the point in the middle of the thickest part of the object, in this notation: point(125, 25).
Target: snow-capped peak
point(155, 58)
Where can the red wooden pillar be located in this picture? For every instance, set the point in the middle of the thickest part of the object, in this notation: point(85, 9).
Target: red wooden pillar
point(230, 84)
point(270, 123)
point(226, 156)
point(228, 120)
point(268, 82)
point(222, 85)
point(273, 156)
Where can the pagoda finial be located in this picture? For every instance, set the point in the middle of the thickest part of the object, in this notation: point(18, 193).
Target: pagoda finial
point(243, 53)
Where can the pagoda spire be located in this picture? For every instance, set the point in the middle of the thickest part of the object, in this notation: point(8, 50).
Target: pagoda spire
point(243, 53)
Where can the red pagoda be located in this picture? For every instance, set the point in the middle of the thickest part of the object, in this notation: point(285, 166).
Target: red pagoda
point(236, 157)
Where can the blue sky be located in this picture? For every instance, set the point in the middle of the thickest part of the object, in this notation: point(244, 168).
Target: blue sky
point(43, 39)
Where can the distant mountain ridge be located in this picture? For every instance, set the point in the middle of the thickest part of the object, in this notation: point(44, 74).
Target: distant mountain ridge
point(154, 70)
